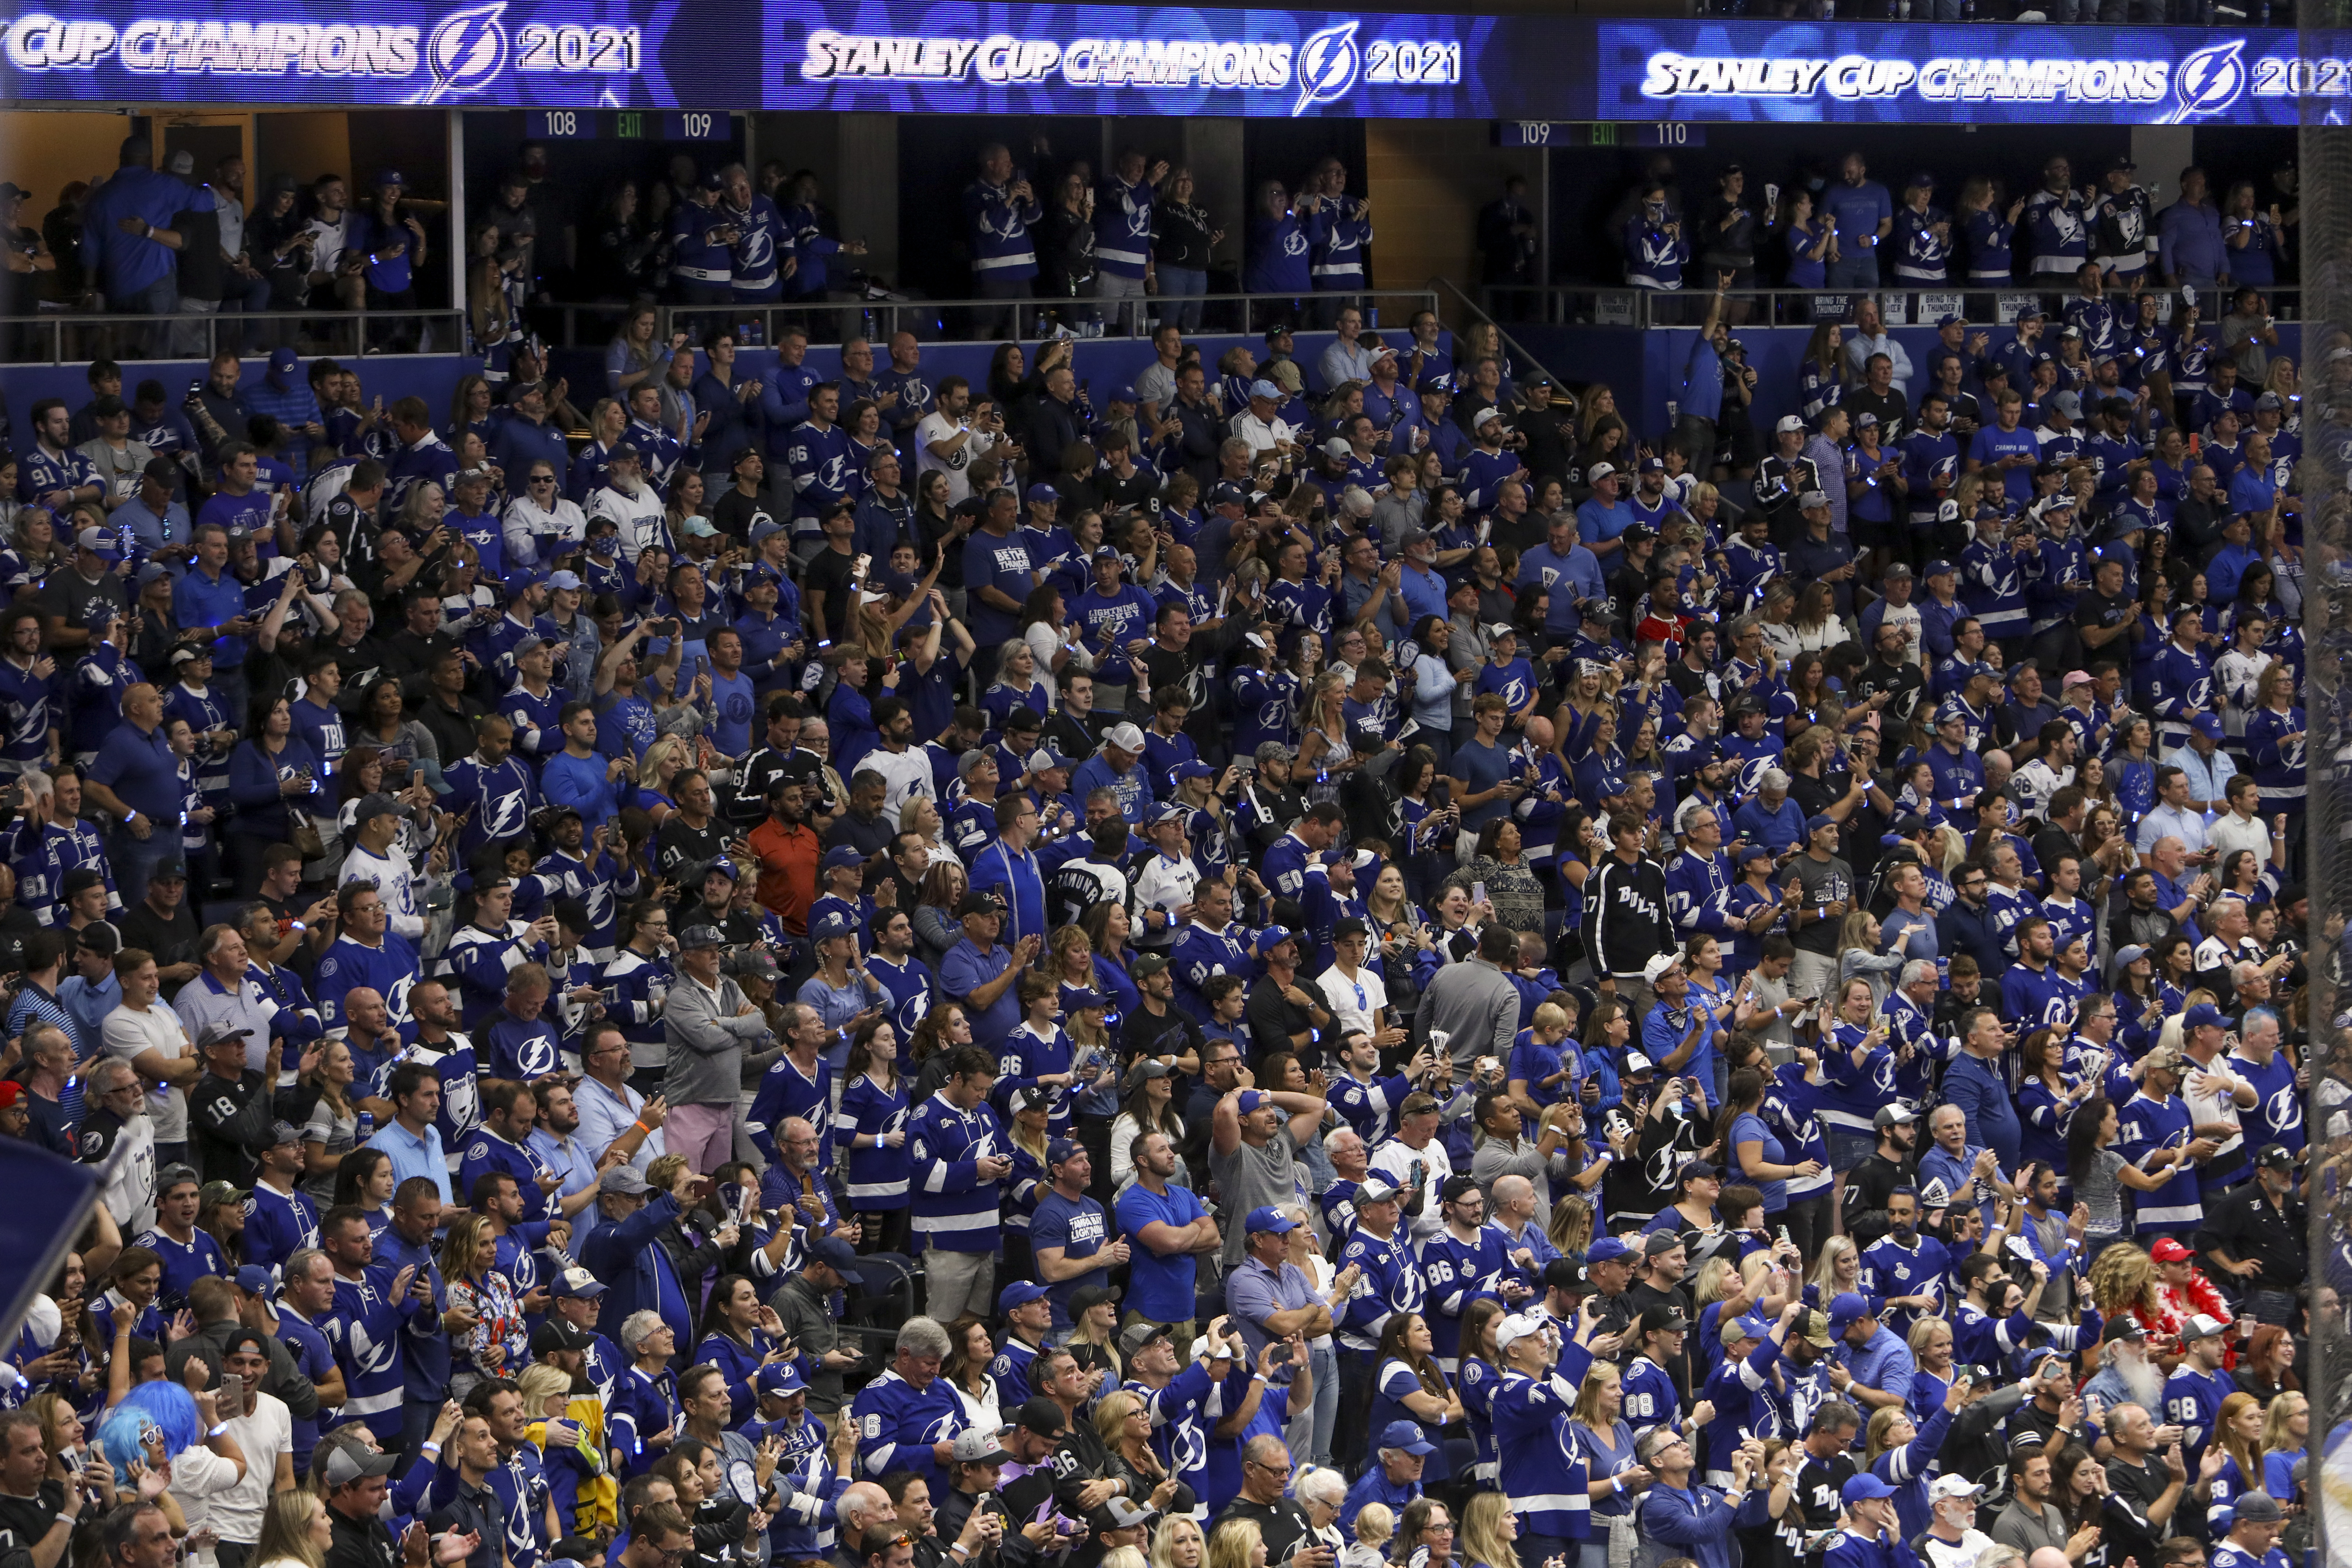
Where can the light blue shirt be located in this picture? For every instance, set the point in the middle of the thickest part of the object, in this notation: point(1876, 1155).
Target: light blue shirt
point(604, 1116)
point(571, 1159)
point(412, 1155)
point(88, 1006)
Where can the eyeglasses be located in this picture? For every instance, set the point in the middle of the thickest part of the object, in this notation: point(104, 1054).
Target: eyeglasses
point(1282, 1469)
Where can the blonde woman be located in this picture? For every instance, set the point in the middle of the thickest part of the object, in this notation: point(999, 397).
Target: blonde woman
point(1859, 958)
point(295, 1532)
point(1124, 1424)
point(1488, 1529)
point(1571, 1226)
point(571, 1435)
point(1837, 1271)
point(1237, 1543)
point(1177, 1543)
point(495, 1345)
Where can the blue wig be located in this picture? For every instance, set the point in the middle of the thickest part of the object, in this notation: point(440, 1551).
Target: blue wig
point(161, 1405)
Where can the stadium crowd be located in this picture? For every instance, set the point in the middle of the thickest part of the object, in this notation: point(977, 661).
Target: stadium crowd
point(869, 973)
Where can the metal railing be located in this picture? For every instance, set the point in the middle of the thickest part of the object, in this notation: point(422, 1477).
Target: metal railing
point(1522, 355)
point(70, 337)
point(576, 324)
point(1902, 304)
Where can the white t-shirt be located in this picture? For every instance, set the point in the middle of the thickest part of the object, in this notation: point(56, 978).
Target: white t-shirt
point(1354, 1002)
point(131, 1035)
point(937, 427)
point(235, 1512)
point(2211, 1108)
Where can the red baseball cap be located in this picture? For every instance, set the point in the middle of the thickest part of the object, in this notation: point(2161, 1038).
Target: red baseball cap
point(2167, 1251)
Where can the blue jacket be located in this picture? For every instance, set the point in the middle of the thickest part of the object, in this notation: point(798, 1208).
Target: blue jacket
point(627, 1256)
point(1695, 1519)
point(123, 263)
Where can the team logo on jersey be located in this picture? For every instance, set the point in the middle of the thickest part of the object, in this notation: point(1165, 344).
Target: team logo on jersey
point(467, 51)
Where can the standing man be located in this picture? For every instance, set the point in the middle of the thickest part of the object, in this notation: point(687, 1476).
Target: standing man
point(136, 781)
point(706, 1022)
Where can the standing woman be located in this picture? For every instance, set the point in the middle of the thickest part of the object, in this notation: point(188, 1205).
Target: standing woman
point(874, 1111)
point(1601, 1431)
point(1276, 261)
point(495, 1346)
point(1820, 373)
point(333, 1127)
point(269, 767)
point(1756, 1151)
point(1180, 242)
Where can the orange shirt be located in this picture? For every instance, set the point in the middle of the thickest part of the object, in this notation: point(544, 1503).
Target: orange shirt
point(788, 858)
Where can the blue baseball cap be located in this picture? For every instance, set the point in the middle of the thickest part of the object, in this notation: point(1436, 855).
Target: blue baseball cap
point(1225, 491)
point(1123, 392)
point(1862, 1487)
point(1021, 1292)
point(2202, 1016)
point(1195, 770)
point(1251, 1098)
point(1407, 1438)
point(1271, 938)
point(1263, 388)
point(577, 1281)
point(1936, 569)
point(2208, 725)
point(843, 855)
point(1268, 1217)
point(1079, 1001)
point(834, 924)
point(1815, 824)
point(1042, 492)
point(388, 177)
point(252, 1280)
point(1754, 853)
point(834, 1254)
point(1951, 712)
point(1608, 1249)
point(1846, 1309)
point(1061, 1149)
point(778, 1380)
point(1950, 318)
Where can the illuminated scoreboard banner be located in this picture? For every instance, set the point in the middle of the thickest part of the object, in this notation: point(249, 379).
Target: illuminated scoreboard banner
point(915, 55)
point(619, 54)
point(1558, 81)
point(1974, 74)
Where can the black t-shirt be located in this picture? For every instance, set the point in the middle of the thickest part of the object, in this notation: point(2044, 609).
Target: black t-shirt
point(1816, 795)
point(24, 1520)
point(1273, 1018)
point(2095, 609)
point(2133, 1489)
point(1902, 679)
point(827, 585)
point(1281, 1524)
point(679, 843)
point(171, 938)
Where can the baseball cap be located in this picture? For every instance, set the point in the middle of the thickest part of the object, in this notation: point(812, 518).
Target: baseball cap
point(979, 903)
point(2202, 1016)
point(1517, 1326)
point(977, 1446)
point(1375, 1189)
point(1892, 1116)
point(346, 1465)
point(557, 1334)
point(1599, 471)
point(1268, 1217)
point(1900, 569)
point(1788, 423)
point(695, 937)
point(1063, 1149)
point(1038, 493)
point(2129, 955)
point(834, 1254)
point(1817, 822)
point(1661, 1319)
point(1936, 569)
point(1815, 1329)
point(1225, 492)
point(1659, 964)
point(1268, 940)
point(1862, 1486)
point(623, 1180)
point(1265, 388)
point(577, 1281)
point(2201, 1326)
point(1021, 1292)
point(1135, 1336)
point(1126, 736)
point(2124, 1329)
point(213, 1035)
point(1952, 1486)
point(1658, 1243)
point(842, 855)
point(1607, 1250)
point(252, 1280)
point(1249, 1099)
point(1846, 1309)
point(2274, 1157)
point(99, 542)
point(2168, 1249)
point(1041, 1415)
point(1406, 1436)
point(1636, 1064)
point(778, 1380)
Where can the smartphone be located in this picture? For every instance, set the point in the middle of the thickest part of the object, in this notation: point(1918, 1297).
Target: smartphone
point(1280, 1356)
point(1477, 892)
point(232, 1394)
